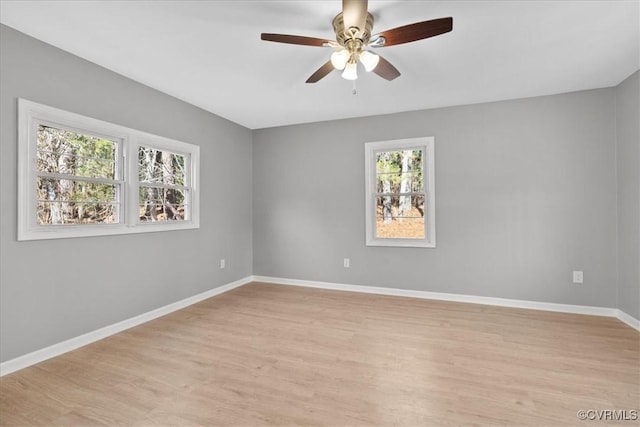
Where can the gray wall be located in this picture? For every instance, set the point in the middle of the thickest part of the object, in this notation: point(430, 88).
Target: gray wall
point(628, 175)
point(57, 289)
point(525, 193)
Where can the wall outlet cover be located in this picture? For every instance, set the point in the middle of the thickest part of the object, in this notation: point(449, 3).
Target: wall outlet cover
point(578, 277)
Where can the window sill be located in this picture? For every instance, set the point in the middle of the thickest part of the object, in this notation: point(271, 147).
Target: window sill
point(73, 231)
point(401, 243)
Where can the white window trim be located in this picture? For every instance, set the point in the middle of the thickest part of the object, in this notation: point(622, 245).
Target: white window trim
point(371, 148)
point(30, 114)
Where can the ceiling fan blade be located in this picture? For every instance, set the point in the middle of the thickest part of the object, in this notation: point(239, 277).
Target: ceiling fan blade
point(385, 70)
point(413, 32)
point(354, 13)
point(285, 38)
point(320, 73)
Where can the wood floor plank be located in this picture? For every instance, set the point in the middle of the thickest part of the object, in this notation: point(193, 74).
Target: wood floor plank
point(266, 354)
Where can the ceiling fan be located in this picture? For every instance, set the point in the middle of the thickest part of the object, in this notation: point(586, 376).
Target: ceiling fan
point(353, 36)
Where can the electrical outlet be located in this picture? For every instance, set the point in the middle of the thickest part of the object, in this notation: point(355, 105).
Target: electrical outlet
point(578, 277)
point(223, 263)
point(347, 263)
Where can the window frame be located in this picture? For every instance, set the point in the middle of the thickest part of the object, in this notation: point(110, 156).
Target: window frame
point(32, 114)
point(427, 144)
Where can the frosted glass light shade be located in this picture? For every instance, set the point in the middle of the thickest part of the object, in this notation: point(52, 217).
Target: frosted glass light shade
point(350, 71)
point(340, 58)
point(369, 60)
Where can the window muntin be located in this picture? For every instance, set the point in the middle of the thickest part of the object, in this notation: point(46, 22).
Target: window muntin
point(400, 193)
point(80, 176)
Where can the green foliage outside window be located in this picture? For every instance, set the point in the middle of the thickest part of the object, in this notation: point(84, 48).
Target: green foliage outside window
point(74, 200)
point(400, 194)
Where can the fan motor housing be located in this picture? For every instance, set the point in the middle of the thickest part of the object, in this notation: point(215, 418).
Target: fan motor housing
point(343, 35)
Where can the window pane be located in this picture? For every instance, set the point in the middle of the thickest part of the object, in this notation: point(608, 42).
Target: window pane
point(399, 171)
point(162, 204)
point(400, 217)
point(157, 166)
point(399, 161)
point(398, 182)
point(50, 189)
point(72, 212)
point(67, 152)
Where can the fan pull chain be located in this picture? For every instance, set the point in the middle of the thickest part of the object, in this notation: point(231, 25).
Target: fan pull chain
point(354, 91)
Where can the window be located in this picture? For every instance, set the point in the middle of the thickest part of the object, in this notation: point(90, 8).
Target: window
point(84, 177)
point(162, 178)
point(400, 193)
point(78, 178)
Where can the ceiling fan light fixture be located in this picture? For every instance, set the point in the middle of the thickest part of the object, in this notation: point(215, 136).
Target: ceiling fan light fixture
point(353, 28)
point(369, 60)
point(350, 71)
point(340, 58)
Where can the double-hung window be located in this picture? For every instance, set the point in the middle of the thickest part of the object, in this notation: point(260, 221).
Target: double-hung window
point(80, 176)
point(400, 193)
point(163, 185)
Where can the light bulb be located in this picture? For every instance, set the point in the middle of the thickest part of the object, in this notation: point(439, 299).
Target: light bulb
point(339, 59)
point(369, 60)
point(350, 71)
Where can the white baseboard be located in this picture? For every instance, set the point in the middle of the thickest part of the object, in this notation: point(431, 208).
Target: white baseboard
point(71, 344)
point(629, 320)
point(502, 302)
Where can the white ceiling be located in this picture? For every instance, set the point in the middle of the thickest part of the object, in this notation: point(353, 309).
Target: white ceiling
point(209, 53)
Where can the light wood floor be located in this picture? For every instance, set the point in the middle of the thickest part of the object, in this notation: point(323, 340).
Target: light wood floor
point(278, 355)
